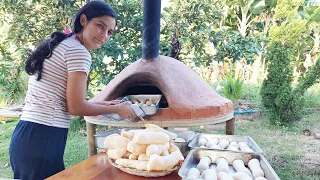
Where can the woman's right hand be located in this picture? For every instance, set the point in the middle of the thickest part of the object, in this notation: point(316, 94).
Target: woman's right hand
point(125, 111)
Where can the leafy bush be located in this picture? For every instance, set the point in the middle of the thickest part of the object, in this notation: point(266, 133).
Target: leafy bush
point(285, 102)
point(11, 84)
point(232, 45)
point(232, 88)
point(276, 90)
point(312, 97)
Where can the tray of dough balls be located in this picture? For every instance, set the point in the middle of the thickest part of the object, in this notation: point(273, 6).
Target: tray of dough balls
point(148, 103)
point(224, 165)
point(148, 152)
point(225, 143)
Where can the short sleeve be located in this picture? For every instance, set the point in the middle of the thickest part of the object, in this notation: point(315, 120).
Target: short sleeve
point(77, 59)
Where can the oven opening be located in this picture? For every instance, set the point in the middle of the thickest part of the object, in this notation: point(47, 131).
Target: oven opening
point(146, 88)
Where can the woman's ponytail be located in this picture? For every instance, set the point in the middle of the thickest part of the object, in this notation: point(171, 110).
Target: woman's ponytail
point(34, 63)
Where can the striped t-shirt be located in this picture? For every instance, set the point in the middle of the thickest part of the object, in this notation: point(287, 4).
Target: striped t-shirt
point(45, 101)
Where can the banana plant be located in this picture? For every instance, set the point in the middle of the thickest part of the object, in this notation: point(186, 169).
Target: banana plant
point(265, 20)
point(246, 10)
point(312, 15)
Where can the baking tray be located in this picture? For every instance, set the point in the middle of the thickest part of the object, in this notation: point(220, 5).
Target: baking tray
point(183, 146)
point(194, 157)
point(148, 110)
point(248, 140)
point(187, 136)
point(99, 138)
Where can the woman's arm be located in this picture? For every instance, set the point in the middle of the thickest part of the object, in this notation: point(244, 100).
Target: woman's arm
point(79, 106)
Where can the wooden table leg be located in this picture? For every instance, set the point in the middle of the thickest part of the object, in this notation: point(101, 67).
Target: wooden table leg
point(230, 126)
point(91, 131)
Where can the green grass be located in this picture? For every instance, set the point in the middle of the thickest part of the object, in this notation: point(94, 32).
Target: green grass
point(6, 131)
point(290, 153)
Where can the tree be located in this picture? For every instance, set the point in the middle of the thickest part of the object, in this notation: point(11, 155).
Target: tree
point(191, 22)
point(312, 15)
point(245, 10)
point(263, 23)
point(279, 94)
point(41, 18)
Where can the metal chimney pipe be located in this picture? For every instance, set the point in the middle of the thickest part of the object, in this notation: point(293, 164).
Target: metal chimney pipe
point(151, 29)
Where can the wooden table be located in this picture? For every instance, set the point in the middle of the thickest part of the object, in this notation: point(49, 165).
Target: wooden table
point(97, 167)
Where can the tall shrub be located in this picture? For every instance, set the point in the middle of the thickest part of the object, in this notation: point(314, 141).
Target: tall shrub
point(276, 89)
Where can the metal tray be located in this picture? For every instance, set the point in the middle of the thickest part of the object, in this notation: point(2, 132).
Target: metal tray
point(99, 138)
point(248, 140)
point(183, 146)
point(148, 110)
point(187, 136)
point(194, 157)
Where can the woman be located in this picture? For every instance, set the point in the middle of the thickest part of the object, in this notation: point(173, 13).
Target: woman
point(56, 90)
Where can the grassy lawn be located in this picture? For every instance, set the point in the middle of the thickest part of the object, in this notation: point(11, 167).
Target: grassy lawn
point(293, 155)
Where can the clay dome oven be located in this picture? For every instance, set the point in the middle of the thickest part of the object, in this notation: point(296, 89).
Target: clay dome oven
point(187, 100)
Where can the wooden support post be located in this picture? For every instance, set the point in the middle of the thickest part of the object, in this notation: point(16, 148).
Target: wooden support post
point(91, 131)
point(230, 126)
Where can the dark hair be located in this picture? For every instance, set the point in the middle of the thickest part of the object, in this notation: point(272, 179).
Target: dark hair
point(93, 9)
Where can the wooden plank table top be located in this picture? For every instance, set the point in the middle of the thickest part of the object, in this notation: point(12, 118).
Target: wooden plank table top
point(97, 167)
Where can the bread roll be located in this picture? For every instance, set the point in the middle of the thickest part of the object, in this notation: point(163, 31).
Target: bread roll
point(134, 101)
point(126, 155)
point(260, 178)
point(143, 157)
point(148, 103)
point(244, 147)
point(223, 143)
point(136, 148)
point(224, 176)
point(131, 133)
point(193, 174)
point(255, 168)
point(151, 138)
point(209, 174)
point(232, 148)
point(116, 153)
point(235, 144)
point(238, 165)
point(204, 163)
point(241, 176)
point(143, 102)
point(160, 163)
point(214, 146)
point(156, 149)
point(202, 141)
point(165, 153)
point(211, 142)
point(173, 148)
point(133, 157)
point(155, 128)
point(222, 165)
point(114, 141)
point(136, 164)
